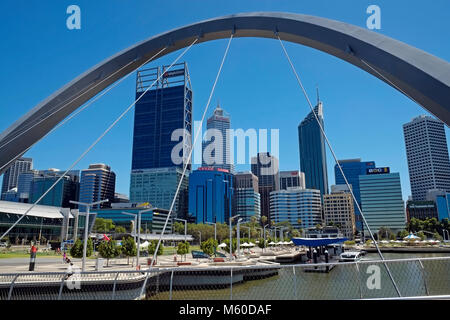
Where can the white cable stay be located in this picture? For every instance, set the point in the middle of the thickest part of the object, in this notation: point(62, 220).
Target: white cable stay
point(336, 160)
point(186, 164)
point(97, 140)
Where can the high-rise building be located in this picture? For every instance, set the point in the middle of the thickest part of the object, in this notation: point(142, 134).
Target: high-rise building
point(158, 186)
point(381, 200)
point(162, 117)
point(427, 154)
point(25, 185)
point(266, 168)
point(66, 189)
point(247, 200)
point(339, 210)
point(353, 168)
point(162, 137)
point(11, 176)
point(210, 195)
point(217, 153)
point(313, 161)
point(301, 207)
point(292, 179)
point(97, 183)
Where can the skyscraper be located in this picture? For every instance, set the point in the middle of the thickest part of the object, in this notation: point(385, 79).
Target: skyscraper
point(382, 202)
point(427, 154)
point(247, 200)
point(353, 168)
point(97, 183)
point(266, 168)
point(219, 121)
point(210, 195)
point(11, 176)
point(162, 137)
point(313, 160)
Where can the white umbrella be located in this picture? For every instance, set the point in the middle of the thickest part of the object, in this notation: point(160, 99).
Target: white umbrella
point(222, 245)
point(290, 242)
point(251, 244)
point(279, 243)
point(411, 237)
point(384, 241)
point(286, 243)
point(144, 245)
point(271, 243)
point(245, 245)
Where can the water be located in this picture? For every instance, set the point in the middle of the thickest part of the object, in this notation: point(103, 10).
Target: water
point(343, 282)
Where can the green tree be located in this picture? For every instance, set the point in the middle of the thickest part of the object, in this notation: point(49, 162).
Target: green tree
point(261, 243)
point(103, 225)
point(178, 227)
point(129, 248)
point(263, 220)
point(77, 249)
point(183, 249)
point(421, 235)
point(233, 245)
point(385, 233)
point(120, 229)
point(402, 234)
point(209, 246)
point(437, 236)
point(108, 250)
point(152, 248)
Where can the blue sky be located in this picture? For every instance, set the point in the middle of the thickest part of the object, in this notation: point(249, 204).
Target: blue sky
point(363, 116)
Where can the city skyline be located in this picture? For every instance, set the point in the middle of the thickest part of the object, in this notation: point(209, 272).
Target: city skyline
point(371, 144)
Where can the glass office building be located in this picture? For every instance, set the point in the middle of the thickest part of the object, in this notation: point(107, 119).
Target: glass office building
point(246, 200)
point(382, 202)
point(97, 183)
point(313, 160)
point(294, 204)
point(11, 176)
point(220, 121)
point(210, 195)
point(66, 189)
point(353, 168)
point(157, 186)
point(164, 108)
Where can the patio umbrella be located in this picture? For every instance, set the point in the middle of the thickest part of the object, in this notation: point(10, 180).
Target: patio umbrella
point(245, 245)
point(411, 237)
point(144, 245)
point(251, 244)
point(271, 243)
point(222, 245)
point(279, 243)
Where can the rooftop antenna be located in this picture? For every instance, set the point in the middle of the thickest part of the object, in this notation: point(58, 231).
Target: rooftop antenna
point(318, 97)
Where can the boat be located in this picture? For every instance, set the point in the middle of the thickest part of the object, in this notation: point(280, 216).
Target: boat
point(350, 256)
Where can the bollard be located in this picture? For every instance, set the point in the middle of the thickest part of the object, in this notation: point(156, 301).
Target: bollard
point(32, 258)
point(326, 260)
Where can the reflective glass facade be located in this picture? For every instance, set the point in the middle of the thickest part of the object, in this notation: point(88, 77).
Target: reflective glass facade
point(353, 168)
point(313, 160)
point(382, 202)
point(210, 195)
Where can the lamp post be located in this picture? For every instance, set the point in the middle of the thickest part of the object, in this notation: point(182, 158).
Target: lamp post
point(264, 236)
point(185, 228)
point(86, 226)
point(238, 234)
point(215, 229)
point(140, 212)
point(443, 233)
point(275, 231)
point(200, 242)
point(231, 251)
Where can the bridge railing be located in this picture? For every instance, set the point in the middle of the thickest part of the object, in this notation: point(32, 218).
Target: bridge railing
point(419, 278)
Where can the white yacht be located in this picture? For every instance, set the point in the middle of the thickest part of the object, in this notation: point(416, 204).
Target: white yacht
point(349, 256)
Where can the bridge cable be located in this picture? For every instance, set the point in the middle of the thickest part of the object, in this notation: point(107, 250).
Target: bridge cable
point(78, 111)
point(337, 161)
point(97, 140)
point(187, 162)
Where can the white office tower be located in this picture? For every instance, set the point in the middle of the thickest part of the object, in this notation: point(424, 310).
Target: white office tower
point(427, 153)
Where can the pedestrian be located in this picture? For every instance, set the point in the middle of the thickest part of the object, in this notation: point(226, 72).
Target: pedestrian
point(64, 256)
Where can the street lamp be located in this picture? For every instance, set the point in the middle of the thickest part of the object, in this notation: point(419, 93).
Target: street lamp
point(86, 226)
point(231, 220)
point(238, 234)
point(264, 236)
point(200, 237)
point(139, 232)
point(185, 228)
point(215, 229)
point(443, 233)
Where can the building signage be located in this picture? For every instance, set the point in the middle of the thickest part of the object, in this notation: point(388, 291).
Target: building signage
point(174, 73)
point(378, 170)
point(212, 169)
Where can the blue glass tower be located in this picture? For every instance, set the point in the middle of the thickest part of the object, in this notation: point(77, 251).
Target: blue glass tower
point(353, 168)
point(313, 160)
point(210, 195)
point(161, 110)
